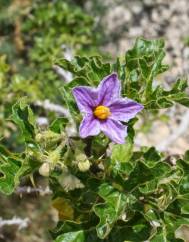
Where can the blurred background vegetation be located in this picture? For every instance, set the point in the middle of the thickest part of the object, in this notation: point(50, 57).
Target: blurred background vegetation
point(33, 33)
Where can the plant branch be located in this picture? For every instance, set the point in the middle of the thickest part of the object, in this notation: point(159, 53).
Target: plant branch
point(64, 75)
point(47, 105)
point(29, 190)
point(21, 223)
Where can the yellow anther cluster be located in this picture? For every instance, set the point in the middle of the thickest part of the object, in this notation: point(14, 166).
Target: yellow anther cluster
point(102, 112)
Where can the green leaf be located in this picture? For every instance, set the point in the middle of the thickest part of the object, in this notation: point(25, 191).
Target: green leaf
point(70, 66)
point(146, 58)
point(186, 156)
point(69, 227)
point(58, 125)
point(183, 203)
point(164, 99)
point(151, 157)
point(121, 153)
point(160, 236)
point(78, 81)
point(122, 168)
point(11, 169)
point(110, 211)
point(143, 63)
point(173, 222)
point(87, 71)
point(120, 69)
point(77, 236)
point(102, 69)
point(23, 116)
point(142, 174)
point(135, 230)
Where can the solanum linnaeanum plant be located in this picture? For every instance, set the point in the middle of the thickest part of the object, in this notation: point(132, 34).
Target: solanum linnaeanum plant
point(103, 109)
point(104, 190)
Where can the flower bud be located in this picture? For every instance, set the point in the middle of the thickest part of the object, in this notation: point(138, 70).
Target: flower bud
point(48, 136)
point(54, 157)
point(84, 165)
point(81, 157)
point(38, 137)
point(44, 169)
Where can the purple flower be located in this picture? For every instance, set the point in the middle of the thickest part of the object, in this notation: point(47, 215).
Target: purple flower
point(104, 109)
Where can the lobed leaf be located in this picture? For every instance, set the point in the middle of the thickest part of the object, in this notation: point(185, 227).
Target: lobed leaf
point(23, 116)
point(12, 169)
point(110, 211)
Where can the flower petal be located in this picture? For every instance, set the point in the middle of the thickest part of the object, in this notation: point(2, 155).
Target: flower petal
point(86, 98)
point(109, 89)
point(115, 130)
point(124, 109)
point(89, 126)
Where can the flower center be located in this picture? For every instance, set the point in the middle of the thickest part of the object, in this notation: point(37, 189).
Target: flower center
point(102, 112)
